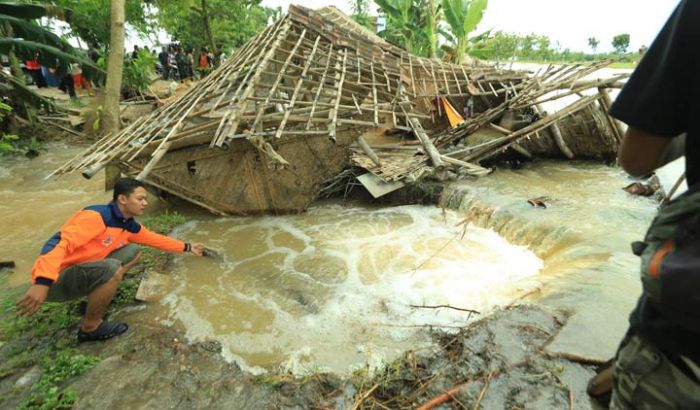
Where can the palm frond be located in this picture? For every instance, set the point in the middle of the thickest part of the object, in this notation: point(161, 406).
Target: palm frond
point(21, 92)
point(51, 57)
point(34, 11)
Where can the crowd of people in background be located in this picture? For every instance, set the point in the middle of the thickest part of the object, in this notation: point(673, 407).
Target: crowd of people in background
point(178, 63)
point(67, 77)
point(174, 62)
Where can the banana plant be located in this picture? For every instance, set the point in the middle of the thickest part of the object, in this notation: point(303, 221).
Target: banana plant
point(405, 24)
point(462, 16)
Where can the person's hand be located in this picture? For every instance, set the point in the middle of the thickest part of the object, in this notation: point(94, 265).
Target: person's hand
point(198, 249)
point(32, 300)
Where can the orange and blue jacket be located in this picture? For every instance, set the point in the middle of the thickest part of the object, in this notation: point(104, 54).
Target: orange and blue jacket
point(91, 234)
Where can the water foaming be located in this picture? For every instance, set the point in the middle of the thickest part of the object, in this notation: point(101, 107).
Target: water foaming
point(332, 289)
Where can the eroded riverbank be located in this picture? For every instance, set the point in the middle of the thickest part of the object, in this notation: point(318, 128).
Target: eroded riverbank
point(586, 289)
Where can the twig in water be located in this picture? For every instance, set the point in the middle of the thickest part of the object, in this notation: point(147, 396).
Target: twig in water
point(445, 306)
point(414, 270)
point(483, 391)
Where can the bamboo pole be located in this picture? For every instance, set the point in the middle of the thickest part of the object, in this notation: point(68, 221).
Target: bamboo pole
point(276, 83)
point(320, 87)
point(368, 151)
point(297, 87)
point(232, 118)
point(556, 134)
point(157, 156)
point(333, 114)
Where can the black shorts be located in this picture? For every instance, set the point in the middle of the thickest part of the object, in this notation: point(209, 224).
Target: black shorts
point(79, 280)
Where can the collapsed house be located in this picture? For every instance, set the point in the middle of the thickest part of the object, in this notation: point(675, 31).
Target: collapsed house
point(316, 93)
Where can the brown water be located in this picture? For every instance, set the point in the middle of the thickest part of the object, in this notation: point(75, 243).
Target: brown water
point(331, 289)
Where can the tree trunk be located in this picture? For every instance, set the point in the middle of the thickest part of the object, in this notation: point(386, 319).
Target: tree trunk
point(207, 28)
point(433, 30)
point(110, 114)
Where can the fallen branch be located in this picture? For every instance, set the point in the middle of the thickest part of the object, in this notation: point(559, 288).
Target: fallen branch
point(449, 394)
point(590, 361)
point(364, 397)
point(445, 306)
point(483, 391)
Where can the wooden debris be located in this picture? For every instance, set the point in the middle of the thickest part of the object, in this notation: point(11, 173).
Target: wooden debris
point(258, 126)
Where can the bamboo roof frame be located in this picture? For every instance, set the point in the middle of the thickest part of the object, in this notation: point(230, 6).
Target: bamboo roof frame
point(318, 72)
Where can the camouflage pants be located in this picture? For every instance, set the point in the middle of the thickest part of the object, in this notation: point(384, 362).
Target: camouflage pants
point(644, 378)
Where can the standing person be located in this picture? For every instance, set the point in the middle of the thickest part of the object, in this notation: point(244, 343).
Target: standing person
point(203, 63)
point(172, 63)
point(164, 62)
point(90, 254)
point(79, 81)
point(65, 78)
point(35, 70)
point(190, 62)
point(658, 361)
point(93, 53)
point(181, 61)
point(135, 53)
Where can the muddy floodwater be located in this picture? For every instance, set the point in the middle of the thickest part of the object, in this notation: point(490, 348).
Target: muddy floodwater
point(346, 285)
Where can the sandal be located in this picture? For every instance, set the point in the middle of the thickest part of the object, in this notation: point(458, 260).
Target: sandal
point(600, 386)
point(106, 330)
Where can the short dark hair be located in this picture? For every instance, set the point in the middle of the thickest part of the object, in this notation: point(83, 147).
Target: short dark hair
point(125, 186)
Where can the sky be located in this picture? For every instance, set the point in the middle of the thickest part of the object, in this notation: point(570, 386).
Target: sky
point(570, 22)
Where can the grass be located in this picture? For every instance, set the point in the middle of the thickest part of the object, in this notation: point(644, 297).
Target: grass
point(623, 64)
point(46, 393)
point(163, 223)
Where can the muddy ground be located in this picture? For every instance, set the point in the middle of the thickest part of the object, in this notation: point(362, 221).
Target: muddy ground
point(499, 361)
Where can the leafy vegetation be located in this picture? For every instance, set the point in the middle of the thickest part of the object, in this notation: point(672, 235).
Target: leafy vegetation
point(360, 13)
point(12, 143)
point(463, 16)
point(47, 393)
point(138, 73)
point(230, 24)
point(23, 37)
point(90, 19)
point(620, 43)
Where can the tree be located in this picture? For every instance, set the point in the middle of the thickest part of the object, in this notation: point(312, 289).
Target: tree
point(621, 42)
point(230, 23)
point(593, 43)
point(110, 114)
point(91, 19)
point(431, 27)
point(463, 16)
point(360, 13)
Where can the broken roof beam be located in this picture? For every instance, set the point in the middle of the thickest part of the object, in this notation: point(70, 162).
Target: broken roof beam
point(320, 87)
point(273, 88)
point(297, 87)
point(339, 79)
point(231, 121)
point(535, 126)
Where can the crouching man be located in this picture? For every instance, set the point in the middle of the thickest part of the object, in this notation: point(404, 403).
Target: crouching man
point(90, 254)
